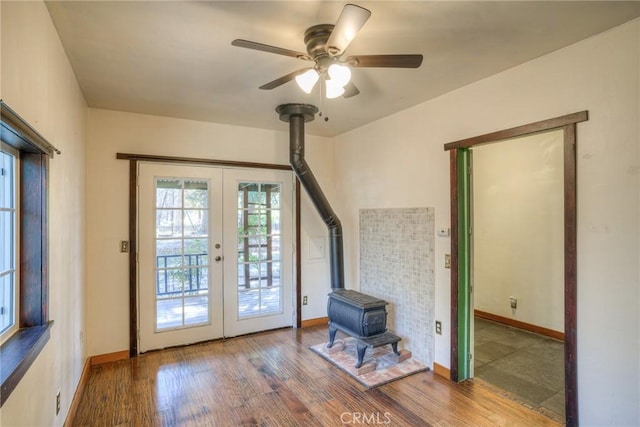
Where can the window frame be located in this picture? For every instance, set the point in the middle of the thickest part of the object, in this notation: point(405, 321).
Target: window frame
point(4, 335)
point(20, 350)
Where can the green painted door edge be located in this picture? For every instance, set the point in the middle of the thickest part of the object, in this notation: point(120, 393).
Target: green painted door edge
point(464, 262)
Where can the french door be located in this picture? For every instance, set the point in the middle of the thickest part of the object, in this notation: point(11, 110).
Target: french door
point(215, 253)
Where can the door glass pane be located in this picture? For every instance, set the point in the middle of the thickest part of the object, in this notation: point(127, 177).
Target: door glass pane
point(168, 223)
point(169, 252)
point(182, 252)
point(193, 247)
point(195, 222)
point(259, 291)
point(196, 195)
point(275, 248)
point(168, 193)
point(196, 310)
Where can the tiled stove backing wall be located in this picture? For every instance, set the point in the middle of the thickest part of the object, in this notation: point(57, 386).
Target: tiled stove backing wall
point(397, 265)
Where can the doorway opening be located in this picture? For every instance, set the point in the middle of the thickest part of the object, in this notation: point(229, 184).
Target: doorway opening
point(215, 253)
point(517, 272)
point(236, 172)
point(461, 249)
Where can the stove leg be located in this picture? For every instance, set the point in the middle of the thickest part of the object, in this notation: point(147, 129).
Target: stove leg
point(332, 335)
point(361, 348)
point(394, 346)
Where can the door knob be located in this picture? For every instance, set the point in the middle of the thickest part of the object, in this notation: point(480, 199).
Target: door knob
point(218, 258)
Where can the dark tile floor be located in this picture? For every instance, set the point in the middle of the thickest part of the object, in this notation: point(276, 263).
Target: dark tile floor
point(528, 366)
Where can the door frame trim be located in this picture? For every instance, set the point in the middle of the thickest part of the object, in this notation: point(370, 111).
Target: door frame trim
point(568, 124)
point(134, 160)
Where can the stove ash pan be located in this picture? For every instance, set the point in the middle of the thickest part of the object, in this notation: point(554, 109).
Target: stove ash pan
point(356, 314)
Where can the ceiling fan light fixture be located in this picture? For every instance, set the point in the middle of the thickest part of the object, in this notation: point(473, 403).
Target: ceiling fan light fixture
point(340, 74)
point(333, 89)
point(307, 80)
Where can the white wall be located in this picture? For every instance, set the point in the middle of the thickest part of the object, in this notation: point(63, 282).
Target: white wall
point(111, 132)
point(399, 161)
point(38, 83)
point(518, 229)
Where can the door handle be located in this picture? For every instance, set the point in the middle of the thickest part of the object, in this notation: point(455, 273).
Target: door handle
point(218, 258)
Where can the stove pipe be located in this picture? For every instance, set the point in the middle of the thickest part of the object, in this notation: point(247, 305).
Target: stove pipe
point(296, 115)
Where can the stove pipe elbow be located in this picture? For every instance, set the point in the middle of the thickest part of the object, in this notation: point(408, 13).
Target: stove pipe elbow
point(296, 115)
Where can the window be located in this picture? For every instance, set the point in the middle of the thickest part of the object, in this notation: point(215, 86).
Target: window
point(24, 280)
point(9, 240)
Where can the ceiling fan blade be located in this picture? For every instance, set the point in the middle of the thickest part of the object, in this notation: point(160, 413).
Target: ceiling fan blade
point(391, 61)
point(271, 49)
point(284, 79)
point(349, 23)
point(350, 90)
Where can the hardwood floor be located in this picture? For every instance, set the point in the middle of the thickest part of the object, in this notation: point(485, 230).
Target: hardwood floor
point(273, 379)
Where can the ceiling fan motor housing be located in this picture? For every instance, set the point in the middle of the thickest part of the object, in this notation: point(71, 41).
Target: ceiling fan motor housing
point(315, 38)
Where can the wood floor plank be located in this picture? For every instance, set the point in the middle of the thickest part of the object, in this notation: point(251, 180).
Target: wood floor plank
point(273, 379)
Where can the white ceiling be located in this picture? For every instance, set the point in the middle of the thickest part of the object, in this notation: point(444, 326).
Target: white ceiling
point(175, 58)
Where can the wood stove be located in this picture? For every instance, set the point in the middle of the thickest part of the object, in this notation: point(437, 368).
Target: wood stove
point(361, 316)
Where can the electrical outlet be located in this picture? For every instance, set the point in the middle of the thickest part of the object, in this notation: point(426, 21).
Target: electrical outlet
point(304, 300)
point(447, 261)
point(124, 246)
point(438, 327)
point(514, 302)
point(58, 403)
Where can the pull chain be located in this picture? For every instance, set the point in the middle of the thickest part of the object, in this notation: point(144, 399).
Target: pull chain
point(322, 113)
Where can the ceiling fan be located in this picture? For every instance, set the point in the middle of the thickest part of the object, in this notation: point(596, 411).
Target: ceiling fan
point(326, 43)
